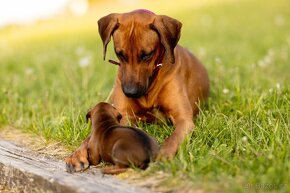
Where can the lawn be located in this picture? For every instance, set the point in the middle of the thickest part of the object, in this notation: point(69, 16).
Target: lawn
point(52, 72)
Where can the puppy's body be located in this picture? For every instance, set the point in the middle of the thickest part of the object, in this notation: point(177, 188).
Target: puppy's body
point(119, 145)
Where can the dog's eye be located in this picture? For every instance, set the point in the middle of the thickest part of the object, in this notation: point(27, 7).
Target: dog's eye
point(121, 56)
point(146, 56)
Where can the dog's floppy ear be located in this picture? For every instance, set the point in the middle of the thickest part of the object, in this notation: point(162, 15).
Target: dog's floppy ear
point(169, 31)
point(107, 25)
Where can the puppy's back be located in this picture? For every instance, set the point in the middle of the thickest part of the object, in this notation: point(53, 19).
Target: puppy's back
point(132, 146)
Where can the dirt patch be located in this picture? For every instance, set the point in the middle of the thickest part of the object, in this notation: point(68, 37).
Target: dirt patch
point(5, 189)
point(34, 143)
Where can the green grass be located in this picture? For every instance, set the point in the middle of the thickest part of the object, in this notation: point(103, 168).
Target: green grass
point(242, 136)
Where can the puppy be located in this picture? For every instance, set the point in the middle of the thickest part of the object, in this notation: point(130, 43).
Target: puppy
point(109, 141)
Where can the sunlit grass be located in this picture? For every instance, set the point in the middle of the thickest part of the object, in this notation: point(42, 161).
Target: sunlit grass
point(51, 73)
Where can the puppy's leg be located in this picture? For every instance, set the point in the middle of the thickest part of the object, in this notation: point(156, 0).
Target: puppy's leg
point(78, 160)
point(93, 153)
point(113, 170)
point(119, 158)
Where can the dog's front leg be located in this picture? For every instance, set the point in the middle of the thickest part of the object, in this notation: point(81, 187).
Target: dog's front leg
point(181, 117)
point(182, 129)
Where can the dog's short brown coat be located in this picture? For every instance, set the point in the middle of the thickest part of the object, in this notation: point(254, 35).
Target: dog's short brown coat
point(109, 141)
point(145, 91)
point(142, 40)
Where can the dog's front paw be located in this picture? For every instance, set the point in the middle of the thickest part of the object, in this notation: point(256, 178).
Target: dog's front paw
point(77, 162)
point(165, 154)
point(168, 151)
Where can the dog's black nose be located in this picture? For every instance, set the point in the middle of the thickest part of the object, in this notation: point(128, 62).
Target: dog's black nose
point(133, 91)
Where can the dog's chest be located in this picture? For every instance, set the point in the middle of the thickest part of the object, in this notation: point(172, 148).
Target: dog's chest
point(147, 103)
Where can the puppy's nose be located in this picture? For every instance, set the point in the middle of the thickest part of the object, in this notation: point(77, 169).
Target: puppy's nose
point(132, 91)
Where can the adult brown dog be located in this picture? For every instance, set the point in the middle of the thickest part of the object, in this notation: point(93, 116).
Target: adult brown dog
point(154, 72)
point(109, 141)
point(155, 76)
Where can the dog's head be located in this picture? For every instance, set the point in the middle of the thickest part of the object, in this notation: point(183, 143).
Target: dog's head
point(142, 40)
point(102, 109)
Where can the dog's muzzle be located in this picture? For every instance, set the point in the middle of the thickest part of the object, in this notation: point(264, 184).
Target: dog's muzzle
point(133, 91)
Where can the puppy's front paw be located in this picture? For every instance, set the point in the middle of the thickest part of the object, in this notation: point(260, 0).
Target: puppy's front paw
point(77, 162)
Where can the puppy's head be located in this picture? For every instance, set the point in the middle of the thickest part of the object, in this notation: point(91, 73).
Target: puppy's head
point(142, 40)
point(103, 108)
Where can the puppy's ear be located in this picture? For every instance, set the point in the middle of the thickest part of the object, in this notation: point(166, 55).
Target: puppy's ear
point(169, 32)
point(88, 116)
point(119, 117)
point(107, 26)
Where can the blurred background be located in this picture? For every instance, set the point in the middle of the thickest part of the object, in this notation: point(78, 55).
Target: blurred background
point(52, 71)
point(51, 53)
point(29, 11)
